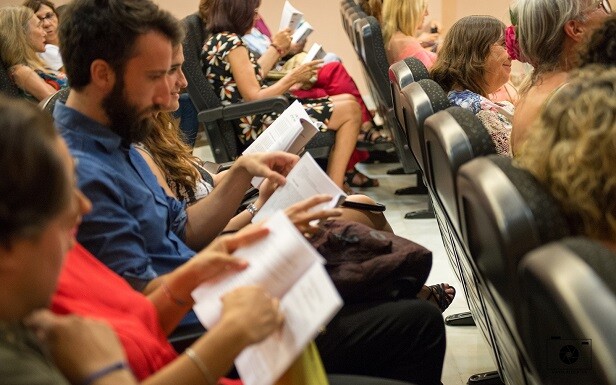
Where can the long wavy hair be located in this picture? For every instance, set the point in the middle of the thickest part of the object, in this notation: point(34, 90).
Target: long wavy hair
point(15, 46)
point(572, 151)
point(402, 15)
point(462, 58)
point(372, 8)
point(170, 153)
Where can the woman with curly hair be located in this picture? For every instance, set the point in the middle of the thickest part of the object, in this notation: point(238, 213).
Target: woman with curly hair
point(571, 151)
point(601, 49)
point(473, 64)
point(550, 34)
point(21, 37)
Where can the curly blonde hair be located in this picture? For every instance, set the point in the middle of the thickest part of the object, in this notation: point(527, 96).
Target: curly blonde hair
point(572, 151)
point(402, 15)
point(15, 47)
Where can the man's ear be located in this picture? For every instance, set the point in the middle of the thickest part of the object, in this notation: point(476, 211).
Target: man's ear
point(103, 76)
point(575, 30)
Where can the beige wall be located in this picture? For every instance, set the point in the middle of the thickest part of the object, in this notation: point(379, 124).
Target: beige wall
point(324, 15)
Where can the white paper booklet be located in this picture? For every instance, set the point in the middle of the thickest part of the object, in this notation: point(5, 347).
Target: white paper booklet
point(291, 17)
point(290, 269)
point(305, 180)
point(315, 52)
point(302, 32)
point(290, 132)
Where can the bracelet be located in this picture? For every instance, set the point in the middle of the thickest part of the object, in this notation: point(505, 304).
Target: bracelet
point(278, 49)
point(252, 209)
point(209, 379)
point(169, 295)
point(120, 365)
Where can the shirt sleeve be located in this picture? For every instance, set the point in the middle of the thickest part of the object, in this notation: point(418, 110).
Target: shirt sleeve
point(109, 232)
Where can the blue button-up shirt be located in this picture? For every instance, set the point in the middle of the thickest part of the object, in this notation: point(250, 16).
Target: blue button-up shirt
point(134, 227)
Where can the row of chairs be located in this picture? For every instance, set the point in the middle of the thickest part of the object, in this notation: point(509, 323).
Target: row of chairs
point(364, 33)
point(494, 218)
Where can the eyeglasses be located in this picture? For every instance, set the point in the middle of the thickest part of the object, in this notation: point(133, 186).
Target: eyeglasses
point(47, 17)
point(603, 4)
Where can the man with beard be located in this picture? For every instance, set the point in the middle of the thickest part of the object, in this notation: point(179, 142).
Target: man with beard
point(117, 57)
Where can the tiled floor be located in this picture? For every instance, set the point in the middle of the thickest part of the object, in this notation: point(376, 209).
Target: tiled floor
point(467, 352)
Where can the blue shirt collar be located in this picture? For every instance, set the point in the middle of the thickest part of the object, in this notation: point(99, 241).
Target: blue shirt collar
point(67, 118)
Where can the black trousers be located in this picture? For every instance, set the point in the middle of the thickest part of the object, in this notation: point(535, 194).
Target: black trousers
point(403, 340)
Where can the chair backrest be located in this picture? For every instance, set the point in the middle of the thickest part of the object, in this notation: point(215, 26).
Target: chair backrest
point(401, 74)
point(451, 138)
point(568, 312)
point(374, 59)
point(7, 86)
point(420, 100)
point(221, 135)
point(504, 214)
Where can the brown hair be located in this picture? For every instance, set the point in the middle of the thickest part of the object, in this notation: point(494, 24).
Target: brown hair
point(34, 186)
point(170, 153)
point(461, 60)
point(235, 16)
point(36, 4)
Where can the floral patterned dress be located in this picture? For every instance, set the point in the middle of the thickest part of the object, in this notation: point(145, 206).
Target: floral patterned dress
point(217, 70)
point(495, 116)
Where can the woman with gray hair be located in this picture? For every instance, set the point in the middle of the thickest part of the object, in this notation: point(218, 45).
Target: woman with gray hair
point(550, 33)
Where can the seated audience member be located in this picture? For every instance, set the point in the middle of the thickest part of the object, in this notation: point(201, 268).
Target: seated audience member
point(550, 34)
point(331, 79)
point(39, 209)
point(21, 37)
point(570, 150)
point(182, 176)
point(472, 64)
point(225, 60)
point(39, 215)
point(401, 22)
point(47, 14)
point(139, 232)
point(601, 49)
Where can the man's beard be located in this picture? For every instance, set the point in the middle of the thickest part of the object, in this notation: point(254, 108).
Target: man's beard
point(132, 125)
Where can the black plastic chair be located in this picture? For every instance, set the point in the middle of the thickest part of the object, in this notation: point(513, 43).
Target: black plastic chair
point(504, 213)
point(7, 86)
point(400, 75)
point(568, 312)
point(453, 137)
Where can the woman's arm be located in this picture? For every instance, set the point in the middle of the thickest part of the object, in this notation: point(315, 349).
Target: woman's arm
point(28, 80)
point(249, 315)
point(248, 85)
point(279, 47)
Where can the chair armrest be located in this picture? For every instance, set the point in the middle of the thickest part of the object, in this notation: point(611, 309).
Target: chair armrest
point(238, 110)
point(215, 168)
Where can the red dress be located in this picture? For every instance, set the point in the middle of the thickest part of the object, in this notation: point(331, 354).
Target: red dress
point(89, 288)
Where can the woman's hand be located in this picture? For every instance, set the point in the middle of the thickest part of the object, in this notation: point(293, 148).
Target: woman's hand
point(253, 311)
point(282, 41)
point(79, 346)
point(301, 214)
point(216, 259)
point(304, 72)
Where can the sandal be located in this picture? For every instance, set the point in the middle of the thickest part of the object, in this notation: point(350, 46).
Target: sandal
point(439, 296)
point(374, 139)
point(355, 178)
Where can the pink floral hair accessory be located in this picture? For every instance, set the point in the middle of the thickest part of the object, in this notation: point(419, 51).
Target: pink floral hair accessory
point(511, 43)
